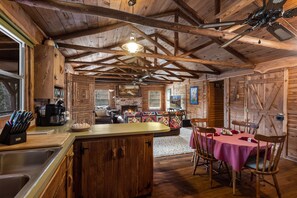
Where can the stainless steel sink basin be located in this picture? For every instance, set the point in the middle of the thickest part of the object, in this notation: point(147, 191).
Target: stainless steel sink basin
point(11, 184)
point(23, 160)
point(20, 169)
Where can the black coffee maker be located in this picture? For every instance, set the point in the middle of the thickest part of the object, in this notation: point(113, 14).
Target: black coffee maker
point(51, 114)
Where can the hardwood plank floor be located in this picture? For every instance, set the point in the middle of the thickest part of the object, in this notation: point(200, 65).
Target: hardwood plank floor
point(173, 178)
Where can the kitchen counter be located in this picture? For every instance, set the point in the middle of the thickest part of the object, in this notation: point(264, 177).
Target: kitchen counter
point(67, 138)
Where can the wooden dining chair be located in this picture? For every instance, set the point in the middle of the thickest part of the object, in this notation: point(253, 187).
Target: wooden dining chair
point(197, 122)
point(266, 160)
point(248, 127)
point(204, 142)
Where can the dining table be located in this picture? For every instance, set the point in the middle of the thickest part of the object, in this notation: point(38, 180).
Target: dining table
point(232, 150)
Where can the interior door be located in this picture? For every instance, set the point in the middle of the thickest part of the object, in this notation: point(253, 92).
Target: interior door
point(264, 101)
point(216, 104)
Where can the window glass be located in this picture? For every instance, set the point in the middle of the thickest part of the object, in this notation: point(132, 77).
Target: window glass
point(11, 73)
point(154, 99)
point(101, 97)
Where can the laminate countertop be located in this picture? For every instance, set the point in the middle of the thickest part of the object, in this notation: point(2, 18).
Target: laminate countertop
point(63, 136)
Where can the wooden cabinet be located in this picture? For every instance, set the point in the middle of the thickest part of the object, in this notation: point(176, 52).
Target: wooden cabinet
point(114, 167)
point(49, 70)
point(61, 184)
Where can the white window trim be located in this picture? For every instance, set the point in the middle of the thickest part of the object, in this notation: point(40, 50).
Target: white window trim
point(21, 75)
point(160, 100)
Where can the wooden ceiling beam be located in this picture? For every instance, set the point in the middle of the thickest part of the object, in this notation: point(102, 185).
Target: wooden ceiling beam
point(232, 8)
point(187, 10)
point(132, 18)
point(127, 78)
point(136, 67)
point(190, 55)
point(97, 30)
point(229, 49)
point(161, 56)
point(148, 38)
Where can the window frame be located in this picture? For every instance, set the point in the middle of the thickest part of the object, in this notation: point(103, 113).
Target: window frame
point(21, 73)
point(149, 100)
point(108, 97)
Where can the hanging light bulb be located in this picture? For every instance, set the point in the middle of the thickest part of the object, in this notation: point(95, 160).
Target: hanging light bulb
point(132, 46)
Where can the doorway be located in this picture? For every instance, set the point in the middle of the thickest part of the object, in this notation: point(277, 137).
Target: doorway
point(216, 103)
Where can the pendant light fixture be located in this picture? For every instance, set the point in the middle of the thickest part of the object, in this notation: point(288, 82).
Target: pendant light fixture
point(132, 46)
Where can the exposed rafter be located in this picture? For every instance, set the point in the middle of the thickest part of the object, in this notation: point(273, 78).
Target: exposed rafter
point(161, 56)
point(132, 18)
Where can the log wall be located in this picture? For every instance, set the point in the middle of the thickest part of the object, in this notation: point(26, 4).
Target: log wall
point(292, 114)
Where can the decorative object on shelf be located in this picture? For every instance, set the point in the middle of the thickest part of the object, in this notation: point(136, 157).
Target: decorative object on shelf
point(132, 46)
point(194, 95)
point(14, 131)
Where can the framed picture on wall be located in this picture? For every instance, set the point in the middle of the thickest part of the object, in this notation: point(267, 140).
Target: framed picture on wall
point(194, 95)
point(128, 91)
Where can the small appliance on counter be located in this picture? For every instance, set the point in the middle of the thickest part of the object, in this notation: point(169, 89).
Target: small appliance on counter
point(51, 114)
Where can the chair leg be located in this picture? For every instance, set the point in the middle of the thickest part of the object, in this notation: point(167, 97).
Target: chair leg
point(276, 185)
point(196, 164)
point(257, 185)
point(210, 173)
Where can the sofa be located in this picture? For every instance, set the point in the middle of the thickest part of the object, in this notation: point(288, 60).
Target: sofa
point(102, 115)
point(171, 119)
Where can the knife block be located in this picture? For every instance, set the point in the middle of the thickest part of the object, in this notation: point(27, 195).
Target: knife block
point(9, 138)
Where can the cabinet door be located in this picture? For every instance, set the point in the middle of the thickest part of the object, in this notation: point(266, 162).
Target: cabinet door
point(99, 168)
point(59, 69)
point(117, 167)
point(57, 185)
point(43, 68)
point(69, 187)
point(135, 169)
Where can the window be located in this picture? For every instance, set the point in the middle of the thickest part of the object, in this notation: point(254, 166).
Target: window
point(101, 97)
point(154, 99)
point(11, 73)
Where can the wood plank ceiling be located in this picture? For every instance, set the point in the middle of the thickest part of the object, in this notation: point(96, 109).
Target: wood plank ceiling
point(92, 43)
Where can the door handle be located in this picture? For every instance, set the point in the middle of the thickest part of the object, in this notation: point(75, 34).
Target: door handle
point(114, 153)
point(122, 151)
point(149, 143)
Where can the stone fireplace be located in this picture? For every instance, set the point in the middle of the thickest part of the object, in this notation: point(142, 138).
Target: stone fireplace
point(135, 103)
point(129, 108)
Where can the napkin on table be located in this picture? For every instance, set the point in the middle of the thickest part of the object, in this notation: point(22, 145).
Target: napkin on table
point(248, 139)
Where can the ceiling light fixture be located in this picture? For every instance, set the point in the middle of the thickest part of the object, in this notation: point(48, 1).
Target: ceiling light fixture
point(132, 46)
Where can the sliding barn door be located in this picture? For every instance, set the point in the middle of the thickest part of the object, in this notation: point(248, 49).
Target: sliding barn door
point(80, 98)
point(264, 101)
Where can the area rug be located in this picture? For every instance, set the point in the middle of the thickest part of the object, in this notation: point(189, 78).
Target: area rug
point(173, 145)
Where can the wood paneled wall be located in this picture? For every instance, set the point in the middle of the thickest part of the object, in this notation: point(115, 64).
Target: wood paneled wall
point(292, 114)
point(183, 89)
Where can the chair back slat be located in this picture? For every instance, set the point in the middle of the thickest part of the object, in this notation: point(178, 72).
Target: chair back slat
point(204, 142)
point(268, 164)
point(248, 127)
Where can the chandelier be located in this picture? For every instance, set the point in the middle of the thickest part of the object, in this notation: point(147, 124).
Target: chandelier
point(132, 46)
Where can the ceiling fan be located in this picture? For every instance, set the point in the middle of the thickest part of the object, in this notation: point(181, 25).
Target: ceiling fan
point(265, 16)
point(139, 81)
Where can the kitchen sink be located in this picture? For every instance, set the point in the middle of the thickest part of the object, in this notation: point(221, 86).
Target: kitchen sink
point(20, 169)
point(11, 184)
point(23, 160)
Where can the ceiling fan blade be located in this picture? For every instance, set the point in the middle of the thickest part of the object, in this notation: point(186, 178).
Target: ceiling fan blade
point(290, 13)
point(221, 24)
point(275, 4)
point(236, 37)
point(280, 32)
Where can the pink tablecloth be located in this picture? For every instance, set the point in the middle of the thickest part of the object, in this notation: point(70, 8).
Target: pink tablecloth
point(232, 150)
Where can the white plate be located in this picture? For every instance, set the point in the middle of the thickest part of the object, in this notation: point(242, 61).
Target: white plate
point(79, 129)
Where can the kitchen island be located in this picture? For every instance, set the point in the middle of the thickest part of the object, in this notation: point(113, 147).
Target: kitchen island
point(128, 146)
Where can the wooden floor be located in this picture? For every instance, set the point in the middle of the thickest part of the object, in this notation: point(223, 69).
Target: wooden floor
point(173, 178)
